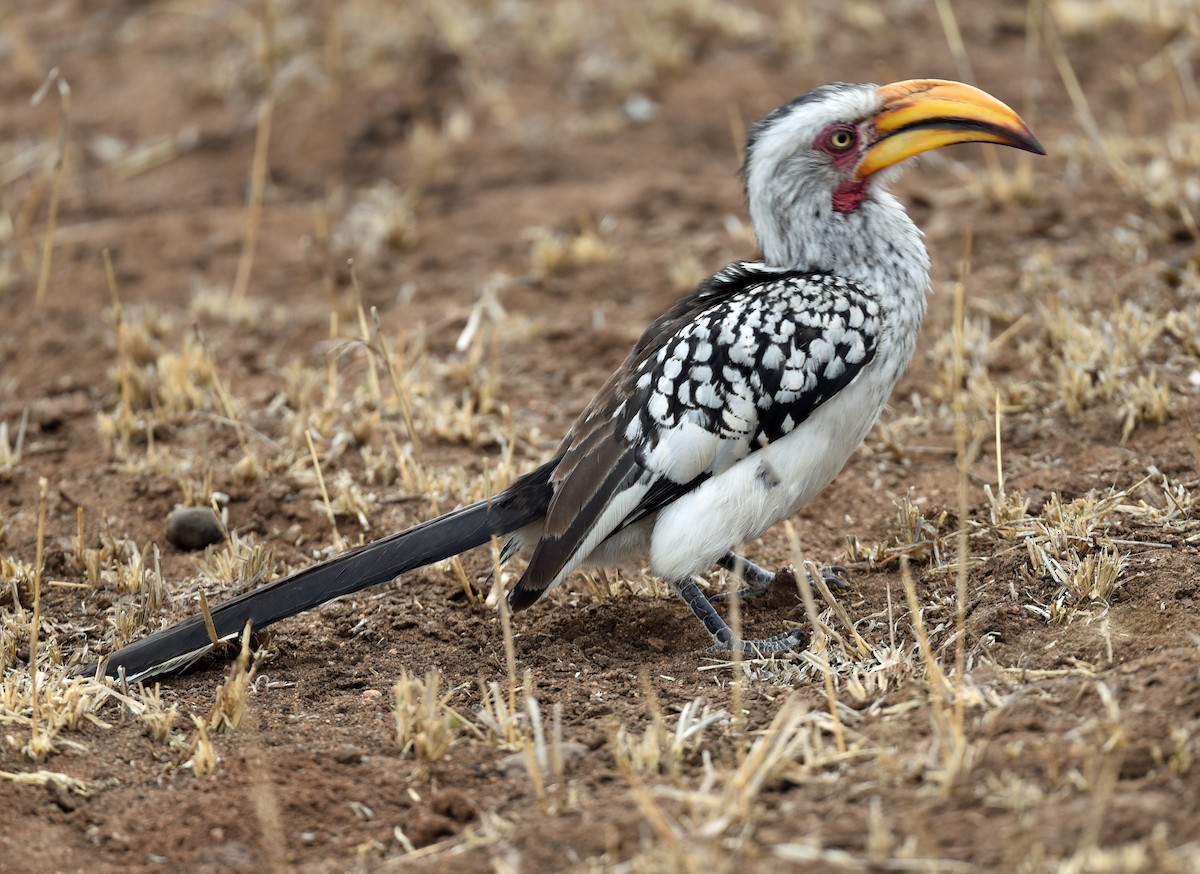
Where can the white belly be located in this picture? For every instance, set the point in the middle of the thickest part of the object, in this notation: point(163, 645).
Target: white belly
point(766, 486)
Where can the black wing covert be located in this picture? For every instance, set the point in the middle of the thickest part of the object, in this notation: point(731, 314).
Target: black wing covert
point(737, 364)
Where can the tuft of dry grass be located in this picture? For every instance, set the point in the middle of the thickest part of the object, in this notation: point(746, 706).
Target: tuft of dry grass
point(203, 755)
point(553, 254)
point(240, 565)
point(381, 220)
point(425, 725)
point(659, 747)
point(233, 696)
point(157, 718)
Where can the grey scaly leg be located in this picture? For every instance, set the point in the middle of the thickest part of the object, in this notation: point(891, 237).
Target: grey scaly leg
point(722, 634)
point(758, 579)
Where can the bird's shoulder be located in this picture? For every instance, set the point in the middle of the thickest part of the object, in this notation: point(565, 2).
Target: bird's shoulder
point(726, 286)
point(740, 362)
point(753, 350)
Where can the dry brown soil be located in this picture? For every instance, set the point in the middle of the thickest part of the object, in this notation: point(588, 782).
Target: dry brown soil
point(318, 745)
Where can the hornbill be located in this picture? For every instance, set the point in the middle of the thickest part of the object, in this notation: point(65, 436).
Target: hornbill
point(735, 408)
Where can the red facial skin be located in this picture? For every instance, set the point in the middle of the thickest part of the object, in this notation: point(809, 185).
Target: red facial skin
point(850, 192)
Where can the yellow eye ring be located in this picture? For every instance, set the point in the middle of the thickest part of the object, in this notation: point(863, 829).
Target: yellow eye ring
point(841, 139)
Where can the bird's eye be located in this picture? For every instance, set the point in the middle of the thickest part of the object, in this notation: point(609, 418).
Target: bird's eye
point(841, 139)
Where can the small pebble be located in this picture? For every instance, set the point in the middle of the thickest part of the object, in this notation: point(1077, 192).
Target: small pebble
point(349, 755)
point(193, 528)
point(640, 109)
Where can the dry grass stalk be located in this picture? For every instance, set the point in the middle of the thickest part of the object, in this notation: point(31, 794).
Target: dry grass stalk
point(542, 753)
point(152, 154)
point(1083, 110)
point(401, 395)
point(1034, 16)
point(533, 748)
point(331, 363)
point(54, 78)
point(209, 626)
point(243, 564)
point(1001, 187)
point(40, 746)
point(247, 470)
point(258, 166)
point(817, 577)
point(667, 830)
point(51, 778)
point(737, 693)
point(79, 541)
point(269, 815)
point(169, 383)
point(334, 55)
point(776, 748)
point(659, 749)
point(500, 719)
point(1105, 768)
point(827, 634)
point(146, 574)
point(10, 453)
point(919, 539)
point(158, 720)
point(125, 426)
point(945, 699)
point(349, 500)
point(338, 543)
point(510, 653)
point(365, 334)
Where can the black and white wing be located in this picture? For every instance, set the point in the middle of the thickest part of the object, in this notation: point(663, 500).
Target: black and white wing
point(734, 366)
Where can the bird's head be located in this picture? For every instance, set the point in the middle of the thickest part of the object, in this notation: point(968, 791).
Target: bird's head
point(819, 160)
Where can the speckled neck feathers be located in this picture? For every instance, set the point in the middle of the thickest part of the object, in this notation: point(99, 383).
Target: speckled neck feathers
point(791, 192)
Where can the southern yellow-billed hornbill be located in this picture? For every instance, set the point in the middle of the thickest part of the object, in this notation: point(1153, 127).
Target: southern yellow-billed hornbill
point(734, 408)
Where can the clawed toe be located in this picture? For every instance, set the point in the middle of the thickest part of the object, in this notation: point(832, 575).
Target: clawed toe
point(835, 575)
point(754, 589)
point(724, 638)
point(758, 580)
point(789, 641)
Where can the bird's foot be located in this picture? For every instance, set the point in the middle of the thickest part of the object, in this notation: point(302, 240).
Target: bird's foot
point(757, 579)
point(724, 640)
point(789, 641)
point(834, 576)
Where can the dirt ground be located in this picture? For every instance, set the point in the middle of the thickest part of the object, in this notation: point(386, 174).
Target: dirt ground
point(522, 187)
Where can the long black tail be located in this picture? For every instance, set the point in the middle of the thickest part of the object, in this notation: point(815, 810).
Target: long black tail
point(385, 559)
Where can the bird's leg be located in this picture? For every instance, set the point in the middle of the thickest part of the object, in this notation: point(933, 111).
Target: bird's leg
point(722, 635)
point(758, 579)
